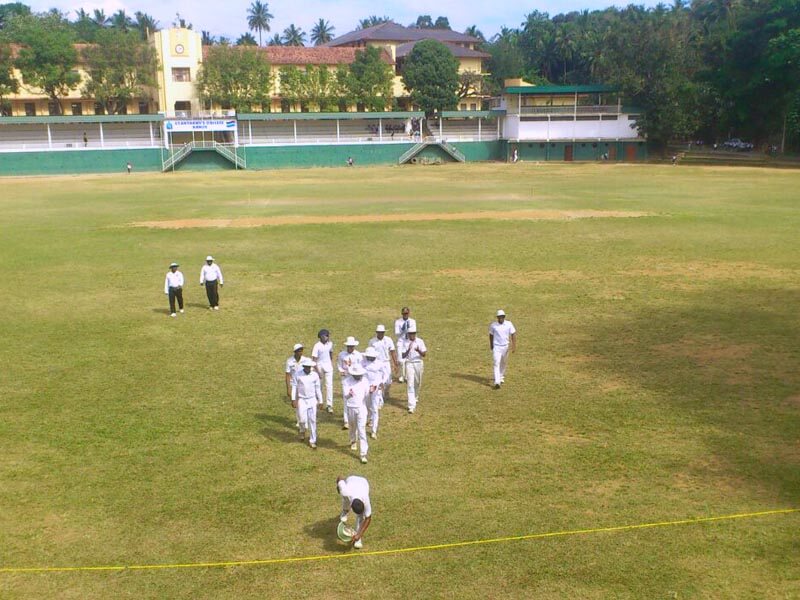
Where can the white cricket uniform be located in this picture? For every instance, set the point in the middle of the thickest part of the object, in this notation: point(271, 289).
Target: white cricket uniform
point(375, 376)
point(356, 394)
point(293, 368)
point(414, 368)
point(501, 340)
point(384, 348)
point(401, 327)
point(344, 361)
point(321, 354)
point(352, 488)
point(306, 390)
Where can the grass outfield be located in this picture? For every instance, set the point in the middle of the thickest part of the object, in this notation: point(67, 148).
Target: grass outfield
point(656, 379)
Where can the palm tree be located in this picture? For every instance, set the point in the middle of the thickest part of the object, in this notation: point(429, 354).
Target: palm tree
point(145, 23)
point(275, 40)
point(473, 31)
point(207, 39)
point(322, 32)
point(99, 17)
point(246, 39)
point(294, 36)
point(371, 21)
point(258, 17)
point(181, 22)
point(121, 21)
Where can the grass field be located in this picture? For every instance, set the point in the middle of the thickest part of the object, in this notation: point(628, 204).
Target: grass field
point(656, 379)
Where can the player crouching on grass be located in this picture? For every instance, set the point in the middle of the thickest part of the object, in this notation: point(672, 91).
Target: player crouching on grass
point(354, 491)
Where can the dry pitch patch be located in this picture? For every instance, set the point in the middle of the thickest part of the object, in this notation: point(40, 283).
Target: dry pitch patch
point(511, 215)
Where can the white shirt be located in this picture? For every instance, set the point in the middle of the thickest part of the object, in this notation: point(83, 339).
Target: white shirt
point(414, 355)
point(306, 387)
point(375, 374)
point(321, 353)
point(348, 359)
point(293, 367)
point(210, 273)
point(359, 389)
point(173, 280)
point(501, 334)
point(401, 326)
point(355, 487)
point(384, 347)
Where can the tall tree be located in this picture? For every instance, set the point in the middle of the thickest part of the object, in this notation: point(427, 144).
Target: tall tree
point(84, 27)
point(145, 23)
point(423, 22)
point(312, 87)
point(294, 36)
point(239, 77)
point(47, 59)
point(441, 23)
point(372, 20)
point(275, 40)
point(473, 31)
point(120, 68)
point(246, 39)
point(121, 21)
point(99, 17)
point(11, 10)
point(368, 81)
point(8, 83)
point(206, 39)
point(322, 32)
point(258, 18)
point(430, 73)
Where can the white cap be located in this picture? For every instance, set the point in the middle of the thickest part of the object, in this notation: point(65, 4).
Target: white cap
point(412, 329)
point(501, 313)
point(297, 347)
point(351, 341)
point(371, 352)
point(356, 370)
point(209, 257)
point(306, 362)
point(380, 328)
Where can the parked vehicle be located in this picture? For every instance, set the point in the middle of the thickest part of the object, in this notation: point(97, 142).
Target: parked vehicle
point(738, 145)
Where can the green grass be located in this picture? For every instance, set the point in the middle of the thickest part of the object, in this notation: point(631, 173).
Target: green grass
point(656, 379)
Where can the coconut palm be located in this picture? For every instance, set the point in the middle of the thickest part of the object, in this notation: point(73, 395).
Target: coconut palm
point(207, 39)
point(473, 31)
point(258, 18)
point(275, 40)
point(99, 17)
point(294, 36)
point(246, 39)
point(322, 32)
point(145, 23)
point(119, 20)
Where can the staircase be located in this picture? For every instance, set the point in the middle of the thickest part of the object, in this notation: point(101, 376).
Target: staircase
point(228, 152)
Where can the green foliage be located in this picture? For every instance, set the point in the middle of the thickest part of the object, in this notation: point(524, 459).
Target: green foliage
point(258, 18)
point(8, 83)
point(322, 32)
point(246, 39)
point(293, 36)
point(238, 77)
point(120, 67)
point(315, 87)
point(47, 58)
point(372, 20)
point(430, 73)
point(369, 80)
point(11, 10)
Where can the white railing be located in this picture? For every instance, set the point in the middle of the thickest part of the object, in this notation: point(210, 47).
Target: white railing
point(177, 156)
point(568, 109)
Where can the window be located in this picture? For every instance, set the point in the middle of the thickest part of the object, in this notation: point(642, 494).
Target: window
point(76, 108)
point(30, 109)
point(144, 108)
point(286, 106)
point(5, 109)
point(99, 109)
point(462, 107)
point(181, 74)
point(473, 106)
point(53, 108)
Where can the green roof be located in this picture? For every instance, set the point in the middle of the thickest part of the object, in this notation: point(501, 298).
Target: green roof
point(81, 119)
point(319, 116)
point(533, 90)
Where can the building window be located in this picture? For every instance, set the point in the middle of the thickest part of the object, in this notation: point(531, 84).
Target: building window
point(473, 106)
point(462, 107)
point(99, 109)
point(183, 108)
point(53, 108)
point(286, 106)
point(5, 109)
point(181, 74)
point(77, 108)
point(144, 108)
point(30, 109)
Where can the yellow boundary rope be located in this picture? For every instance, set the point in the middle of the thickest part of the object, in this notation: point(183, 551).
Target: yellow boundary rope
point(298, 559)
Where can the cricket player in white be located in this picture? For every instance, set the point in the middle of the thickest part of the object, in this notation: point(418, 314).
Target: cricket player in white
point(375, 377)
point(413, 350)
point(354, 491)
point(387, 356)
point(502, 334)
point(292, 369)
point(322, 353)
point(346, 359)
point(306, 394)
point(401, 327)
point(356, 394)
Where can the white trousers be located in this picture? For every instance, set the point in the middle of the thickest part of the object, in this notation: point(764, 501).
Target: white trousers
point(499, 360)
point(374, 408)
point(326, 378)
point(357, 417)
point(386, 367)
point(413, 382)
point(344, 403)
point(307, 417)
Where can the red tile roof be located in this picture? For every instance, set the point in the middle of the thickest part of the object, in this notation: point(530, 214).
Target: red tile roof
point(309, 55)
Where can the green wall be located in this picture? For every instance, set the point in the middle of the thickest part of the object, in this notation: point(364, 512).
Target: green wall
point(585, 151)
point(83, 161)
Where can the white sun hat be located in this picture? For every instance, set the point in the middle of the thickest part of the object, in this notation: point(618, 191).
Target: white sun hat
point(371, 352)
point(351, 341)
point(209, 257)
point(501, 313)
point(356, 370)
point(380, 328)
point(297, 347)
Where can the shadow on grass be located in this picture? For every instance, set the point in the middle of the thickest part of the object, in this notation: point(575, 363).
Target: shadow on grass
point(286, 432)
point(325, 530)
point(724, 360)
point(483, 381)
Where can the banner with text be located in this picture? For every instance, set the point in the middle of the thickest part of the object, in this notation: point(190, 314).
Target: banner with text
point(189, 125)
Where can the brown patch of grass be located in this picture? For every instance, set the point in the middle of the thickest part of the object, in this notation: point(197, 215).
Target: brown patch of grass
point(716, 270)
point(524, 215)
point(516, 277)
point(712, 355)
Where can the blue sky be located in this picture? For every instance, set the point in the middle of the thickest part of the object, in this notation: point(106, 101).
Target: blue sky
point(230, 18)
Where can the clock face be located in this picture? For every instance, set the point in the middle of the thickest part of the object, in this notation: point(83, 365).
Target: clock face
point(179, 49)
